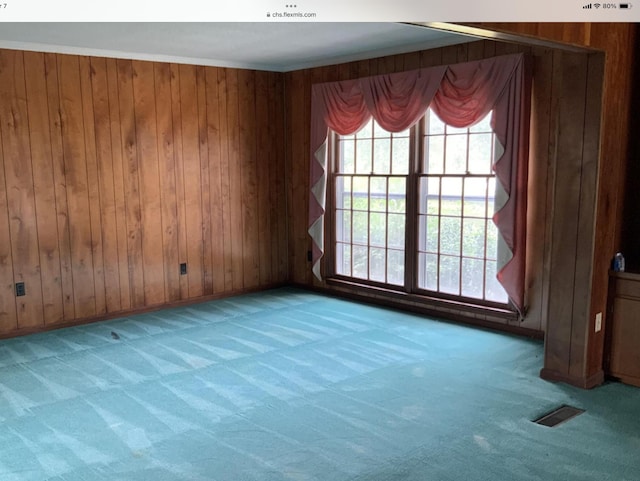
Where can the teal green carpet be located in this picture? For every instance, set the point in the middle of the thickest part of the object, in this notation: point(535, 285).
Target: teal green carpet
point(289, 385)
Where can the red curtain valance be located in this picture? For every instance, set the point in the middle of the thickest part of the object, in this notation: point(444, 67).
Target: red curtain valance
point(460, 95)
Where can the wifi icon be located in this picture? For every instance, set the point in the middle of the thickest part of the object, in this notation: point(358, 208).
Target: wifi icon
point(596, 5)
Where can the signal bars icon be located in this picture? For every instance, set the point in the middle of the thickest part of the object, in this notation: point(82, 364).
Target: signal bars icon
point(591, 5)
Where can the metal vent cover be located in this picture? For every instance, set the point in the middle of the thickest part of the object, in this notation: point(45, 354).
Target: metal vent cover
point(559, 416)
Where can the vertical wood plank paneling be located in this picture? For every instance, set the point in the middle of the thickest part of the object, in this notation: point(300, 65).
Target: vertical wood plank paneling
point(411, 62)
point(489, 48)
point(8, 314)
point(270, 148)
point(60, 185)
point(192, 177)
point(205, 177)
point(387, 64)
point(264, 159)
point(540, 178)
point(149, 182)
point(619, 83)
point(475, 50)
point(73, 143)
point(431, 58)
point(283, 178)
point(462, 52)
point(176, 111)
point(565, 221)
point(44, 186)
point(299, 175)
point(581, 333)
point(18, 174)
point(449, 55)
point(119, 192)
point(105, 184)
point(131, 170)
point(225, 190)
point(215, 207)
point(235, 179)
point(92, 184)
point(167, 174)
point(247, 125)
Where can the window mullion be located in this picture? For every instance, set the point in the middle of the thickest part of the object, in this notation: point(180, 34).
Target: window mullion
point(411, 211)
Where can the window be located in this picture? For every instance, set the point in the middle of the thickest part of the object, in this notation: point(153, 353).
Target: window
point(413, 209)
point(371, 204)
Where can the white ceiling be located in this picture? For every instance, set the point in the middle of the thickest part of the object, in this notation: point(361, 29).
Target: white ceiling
point(273, 46)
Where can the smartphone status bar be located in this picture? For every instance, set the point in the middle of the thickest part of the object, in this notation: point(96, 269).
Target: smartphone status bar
point(317, 11)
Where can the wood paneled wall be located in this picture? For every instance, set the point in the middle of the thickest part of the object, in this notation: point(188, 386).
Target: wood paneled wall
point(113, 172)
point(577, 334)
point(546, 68)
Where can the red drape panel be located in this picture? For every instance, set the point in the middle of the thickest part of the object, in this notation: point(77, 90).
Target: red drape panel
point(460, 95)
point(467, 93)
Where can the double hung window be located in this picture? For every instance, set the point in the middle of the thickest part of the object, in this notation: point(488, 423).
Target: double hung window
point(413, 210)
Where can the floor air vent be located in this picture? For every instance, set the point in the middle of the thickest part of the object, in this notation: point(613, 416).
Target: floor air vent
point(558, 416)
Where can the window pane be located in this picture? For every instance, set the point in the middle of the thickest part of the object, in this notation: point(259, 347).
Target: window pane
point(450, 235)
point(343, 225)
point(492, 240)
point(343, 259)
point(343, 192)
point(428, 232)
point(360, 193)
point(451, 196)
point(400, 156)
point(366, 131)
point(395, 267)
point(434, 154)
point(493, 290)
point(473, 235)
point(475, 190)
point(433, 233)
point(378, 229)
point(480, 154)
point(347, 157)
point(428, 271)
point(472, 276)
point(378, 131)
point(396, 230)
point(397, 194)
point(429, 195)
point(449, 274)
point(363, 156)
point(381, 156)
point(360, 227)
point(360, 262)
point(483, 126)
point(404, 133)
point(378, 194)
point(377, 264)
point(434, 124)
point(400, 164)
point(455, 130)
point(456, 154)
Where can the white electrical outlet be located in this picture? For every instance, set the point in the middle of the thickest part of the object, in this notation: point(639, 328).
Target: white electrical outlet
point(598, 321)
